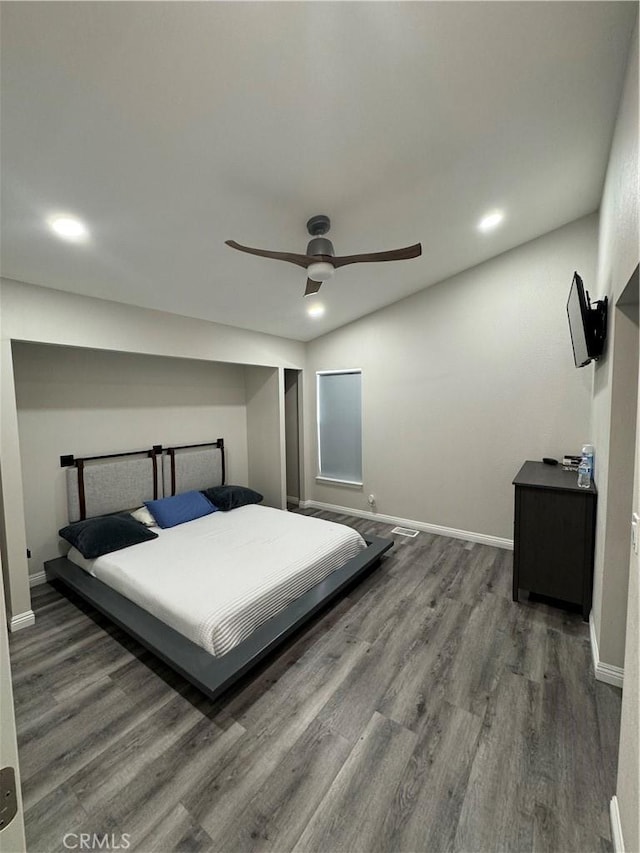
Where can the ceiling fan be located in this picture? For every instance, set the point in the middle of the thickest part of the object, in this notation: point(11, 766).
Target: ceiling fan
point(320, 261)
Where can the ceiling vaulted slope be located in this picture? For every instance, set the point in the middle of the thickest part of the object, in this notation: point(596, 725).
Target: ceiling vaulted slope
point(171, 127)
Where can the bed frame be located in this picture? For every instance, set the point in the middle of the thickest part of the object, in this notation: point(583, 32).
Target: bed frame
point(212, 675)
point(158, 469)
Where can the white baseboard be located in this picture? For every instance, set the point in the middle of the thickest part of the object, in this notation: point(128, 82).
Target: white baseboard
point(292, 500)
point(453, 532)
point(37, 579)
point(22, 620)
point(616, 826)
point(603, 671)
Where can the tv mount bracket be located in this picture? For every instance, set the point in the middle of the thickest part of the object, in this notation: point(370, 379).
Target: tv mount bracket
point(598, 323)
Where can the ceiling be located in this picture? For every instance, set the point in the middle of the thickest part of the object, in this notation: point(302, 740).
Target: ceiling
point(171, 127)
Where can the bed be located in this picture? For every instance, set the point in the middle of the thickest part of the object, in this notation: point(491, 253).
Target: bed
point(210, 623)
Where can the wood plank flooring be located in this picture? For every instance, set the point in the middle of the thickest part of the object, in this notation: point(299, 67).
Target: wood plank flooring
point(423, 712)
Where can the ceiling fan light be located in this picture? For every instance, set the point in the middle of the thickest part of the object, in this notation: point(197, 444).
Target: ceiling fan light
point(320, 271)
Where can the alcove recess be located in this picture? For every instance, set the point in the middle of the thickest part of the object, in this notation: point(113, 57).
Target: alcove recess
point(85, 402)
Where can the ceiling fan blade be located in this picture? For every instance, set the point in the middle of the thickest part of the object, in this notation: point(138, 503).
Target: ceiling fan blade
point(299, 260)
point(312, 287)
point(394, 255)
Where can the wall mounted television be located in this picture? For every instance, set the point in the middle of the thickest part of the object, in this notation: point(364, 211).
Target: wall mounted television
point(587, 323)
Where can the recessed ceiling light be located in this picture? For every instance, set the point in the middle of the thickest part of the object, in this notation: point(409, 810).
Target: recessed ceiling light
point(315, 310)
point(491, 220)
point(68, 227)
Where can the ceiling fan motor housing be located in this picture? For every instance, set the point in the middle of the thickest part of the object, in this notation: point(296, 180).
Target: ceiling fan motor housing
point(320, 246)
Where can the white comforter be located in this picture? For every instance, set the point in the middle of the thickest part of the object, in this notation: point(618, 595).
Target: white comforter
point(216, 579)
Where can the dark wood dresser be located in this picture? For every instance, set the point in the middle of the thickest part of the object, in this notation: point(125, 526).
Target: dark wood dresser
point(554, 533)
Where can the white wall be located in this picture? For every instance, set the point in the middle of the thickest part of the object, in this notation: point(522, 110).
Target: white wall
point(628, 781)
point(88, 402)
point(31, 313)
point(462, 383)
point(615, 590)
point(37, 314)
point(617, 258)
point(13, 543)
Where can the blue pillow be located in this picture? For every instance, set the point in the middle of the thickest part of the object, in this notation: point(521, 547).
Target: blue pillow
point(169, 512)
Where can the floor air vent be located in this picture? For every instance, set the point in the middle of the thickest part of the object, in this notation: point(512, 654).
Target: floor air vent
point(405, 531)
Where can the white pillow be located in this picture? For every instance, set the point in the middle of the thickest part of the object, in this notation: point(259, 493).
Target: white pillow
point(144, 516)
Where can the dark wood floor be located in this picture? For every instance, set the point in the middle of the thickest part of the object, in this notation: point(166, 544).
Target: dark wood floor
point(424, 712)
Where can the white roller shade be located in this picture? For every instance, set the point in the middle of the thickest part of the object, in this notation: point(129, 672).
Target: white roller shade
point(340, 425)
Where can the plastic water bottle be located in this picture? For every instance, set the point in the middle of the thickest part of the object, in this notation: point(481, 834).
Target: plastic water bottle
point(585, 469)
point(584, 478)
point(587, 451)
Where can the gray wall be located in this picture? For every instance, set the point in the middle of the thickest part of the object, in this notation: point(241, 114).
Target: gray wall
point(461, 384)
point(616, 589)
point(265, 433)
point(89, 402)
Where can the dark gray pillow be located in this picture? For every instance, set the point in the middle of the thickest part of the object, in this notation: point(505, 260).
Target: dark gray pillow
point(106, 533)
point(232, 497)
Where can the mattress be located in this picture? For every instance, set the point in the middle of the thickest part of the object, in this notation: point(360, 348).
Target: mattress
point(217, 578)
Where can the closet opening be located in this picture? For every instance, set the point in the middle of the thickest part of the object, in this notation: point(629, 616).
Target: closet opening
point(293, 438)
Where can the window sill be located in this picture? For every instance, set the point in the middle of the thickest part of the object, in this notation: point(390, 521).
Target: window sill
point(335, 482)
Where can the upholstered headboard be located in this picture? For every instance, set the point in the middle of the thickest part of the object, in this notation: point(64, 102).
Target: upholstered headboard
point(98, 485)
point(198, 466)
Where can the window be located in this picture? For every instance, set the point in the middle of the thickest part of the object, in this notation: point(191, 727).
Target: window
point(339, 399)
